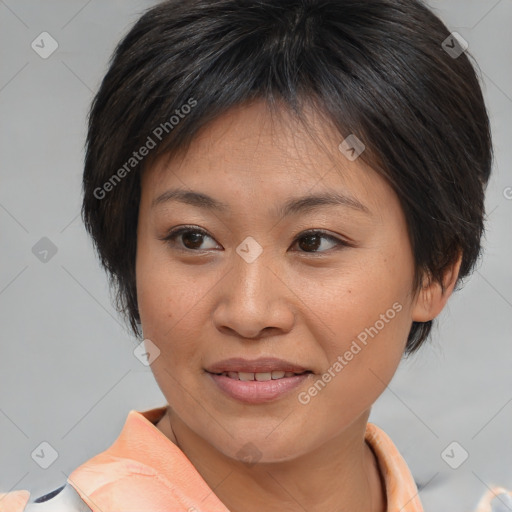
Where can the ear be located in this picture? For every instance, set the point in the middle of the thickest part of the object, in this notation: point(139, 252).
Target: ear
point(431, 299)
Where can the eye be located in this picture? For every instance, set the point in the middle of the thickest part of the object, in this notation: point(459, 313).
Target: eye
point(191, 238)
point(312, 241)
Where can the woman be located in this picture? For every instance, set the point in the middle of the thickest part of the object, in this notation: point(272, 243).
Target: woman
point(285, 194)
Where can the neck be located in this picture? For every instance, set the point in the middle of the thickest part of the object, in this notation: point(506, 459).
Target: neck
point(342, 474)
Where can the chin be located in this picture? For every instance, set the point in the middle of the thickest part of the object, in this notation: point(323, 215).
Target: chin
point(260, 451)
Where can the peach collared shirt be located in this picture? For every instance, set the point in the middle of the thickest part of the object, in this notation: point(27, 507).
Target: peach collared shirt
point(144, 471)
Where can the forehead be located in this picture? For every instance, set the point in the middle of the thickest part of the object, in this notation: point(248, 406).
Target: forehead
point(264, 152)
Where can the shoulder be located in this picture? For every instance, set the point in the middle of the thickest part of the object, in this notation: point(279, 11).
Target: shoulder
point(14, 501)
point(63, 499)
point(496, 499)
point(397, 474)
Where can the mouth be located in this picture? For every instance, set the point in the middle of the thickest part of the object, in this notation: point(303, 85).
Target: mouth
point(257, 388)
point(257, 381)
point(263, 368)
point(260, 376)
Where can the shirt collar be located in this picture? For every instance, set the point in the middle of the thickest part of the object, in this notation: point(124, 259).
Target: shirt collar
point(141, 440)
point(401, 490)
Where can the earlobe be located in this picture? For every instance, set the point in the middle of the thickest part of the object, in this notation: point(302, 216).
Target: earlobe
point(431, 299)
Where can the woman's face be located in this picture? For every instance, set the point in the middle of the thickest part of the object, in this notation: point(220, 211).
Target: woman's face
point(248, 280)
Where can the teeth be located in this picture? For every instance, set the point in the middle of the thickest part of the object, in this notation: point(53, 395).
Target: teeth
point(262, 376)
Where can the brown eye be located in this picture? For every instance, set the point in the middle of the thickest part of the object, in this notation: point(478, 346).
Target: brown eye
point(191, 239)
point(312, 241)
point(188, 238)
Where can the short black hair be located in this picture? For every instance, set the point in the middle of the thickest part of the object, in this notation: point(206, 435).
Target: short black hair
point(378, 69)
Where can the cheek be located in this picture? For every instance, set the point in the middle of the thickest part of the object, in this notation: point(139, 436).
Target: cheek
point(153, 295)
point(170, 299)
point(367, 334)
point(158, 286)
point(363, 316)
point(353, 298)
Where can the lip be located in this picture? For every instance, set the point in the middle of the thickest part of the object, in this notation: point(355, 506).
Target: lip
point(257, 392)
point(260, 365)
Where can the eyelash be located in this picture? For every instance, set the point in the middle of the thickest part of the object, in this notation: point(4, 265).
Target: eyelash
point(173, 234)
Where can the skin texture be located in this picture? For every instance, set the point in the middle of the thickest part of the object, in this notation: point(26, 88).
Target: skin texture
point(302, 300)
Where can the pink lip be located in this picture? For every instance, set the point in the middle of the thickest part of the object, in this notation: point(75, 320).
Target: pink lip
point(257, 392)
point(260, 365)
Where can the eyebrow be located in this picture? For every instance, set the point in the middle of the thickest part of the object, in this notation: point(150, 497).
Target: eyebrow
point(291, 207)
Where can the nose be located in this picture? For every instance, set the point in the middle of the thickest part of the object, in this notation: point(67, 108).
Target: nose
point(254, 302)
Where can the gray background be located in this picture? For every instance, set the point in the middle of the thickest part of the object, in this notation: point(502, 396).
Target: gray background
point(68, 375)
